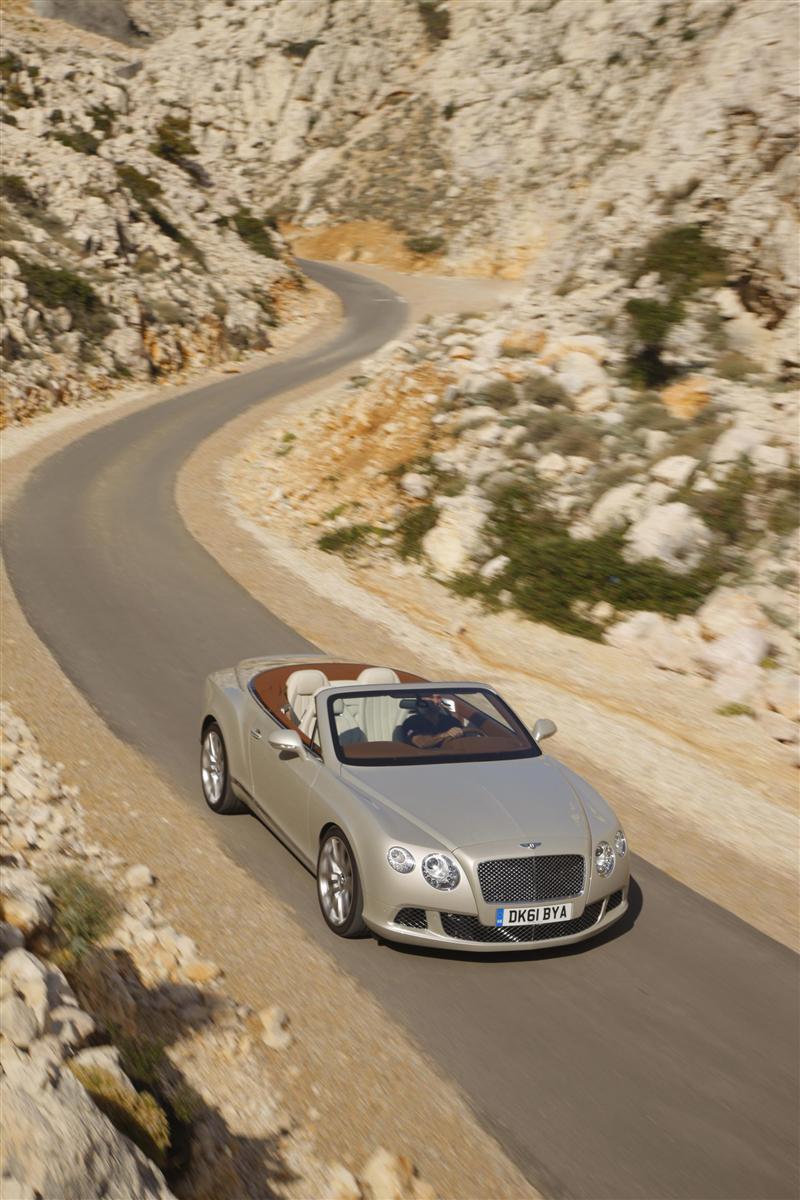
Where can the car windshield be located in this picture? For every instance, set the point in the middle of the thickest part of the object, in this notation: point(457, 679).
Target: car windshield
point(429, 725)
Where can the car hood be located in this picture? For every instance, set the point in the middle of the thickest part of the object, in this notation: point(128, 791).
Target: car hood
point(467, 804)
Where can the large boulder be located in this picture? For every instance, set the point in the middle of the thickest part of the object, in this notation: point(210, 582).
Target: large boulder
point(457, 536)
point(726, 610)
point(671, 533)
point(58, 1143)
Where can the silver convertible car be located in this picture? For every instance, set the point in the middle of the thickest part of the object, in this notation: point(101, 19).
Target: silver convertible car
point(427, 811)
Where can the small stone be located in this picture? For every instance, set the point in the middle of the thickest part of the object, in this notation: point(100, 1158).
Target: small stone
point(415, 485)
point(274, 1028)
point(778, 727)
point(10, 937)
point(342, 1184)
point(388, 1176)
point(202, 970)
point(686, 399)
point(139, 876)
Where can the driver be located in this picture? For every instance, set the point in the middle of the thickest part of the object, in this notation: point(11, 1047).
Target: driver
point(431, 725)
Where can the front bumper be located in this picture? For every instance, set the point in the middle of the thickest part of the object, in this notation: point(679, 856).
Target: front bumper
point(458, 931)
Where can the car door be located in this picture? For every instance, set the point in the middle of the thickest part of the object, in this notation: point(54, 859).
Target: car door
point(281, 783)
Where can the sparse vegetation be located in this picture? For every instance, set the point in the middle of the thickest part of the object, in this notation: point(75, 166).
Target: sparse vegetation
point(735, 366)
point(549, 572)
point(499, 393)
point(425, 244)
point(142, 188)
point(544, 390)
point(174, 144)
point(347, 540)
point(735, 710)
point(566, 433)
point(137, 1115)
point(56, 287)
point(412, 529)
point(84, 910)
point(435, 17)
point(255, 232)
point(684, 262)
point(79, 140)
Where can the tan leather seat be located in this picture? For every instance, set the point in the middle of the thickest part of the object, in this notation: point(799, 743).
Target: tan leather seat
point(380, 715)
point(301, 687)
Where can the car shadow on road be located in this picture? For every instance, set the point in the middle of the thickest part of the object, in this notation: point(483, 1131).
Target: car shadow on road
point(621, 927)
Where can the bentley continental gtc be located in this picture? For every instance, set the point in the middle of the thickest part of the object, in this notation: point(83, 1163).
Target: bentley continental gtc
point(427, 811)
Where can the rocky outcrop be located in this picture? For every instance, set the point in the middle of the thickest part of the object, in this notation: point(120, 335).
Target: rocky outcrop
point(114, 1066)
point(121, 257)
point(669, 536)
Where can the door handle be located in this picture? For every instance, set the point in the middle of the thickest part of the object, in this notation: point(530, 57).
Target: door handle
point(255, 733)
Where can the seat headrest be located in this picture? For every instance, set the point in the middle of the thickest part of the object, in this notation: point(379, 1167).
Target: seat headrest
point(378, 675)
point(304, 683)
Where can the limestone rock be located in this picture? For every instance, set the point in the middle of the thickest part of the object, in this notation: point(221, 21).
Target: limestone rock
point(17, 1022)
point(676, 470)
point(56, 1142)
point(687, 398)
point(671, 533)
point(782, 693)
point(457, 536)
point(727, 610)
point(139, 876)
point(275, 1031)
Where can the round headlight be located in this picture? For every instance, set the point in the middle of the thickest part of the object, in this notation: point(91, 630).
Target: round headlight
point(620, 843)
point(440, 872)
point(400, 859)
point(604, 858)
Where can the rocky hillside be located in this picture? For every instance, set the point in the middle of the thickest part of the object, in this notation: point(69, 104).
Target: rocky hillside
point(121, 256)
point(543, 138)
point(124, 1063)
point(511, 458)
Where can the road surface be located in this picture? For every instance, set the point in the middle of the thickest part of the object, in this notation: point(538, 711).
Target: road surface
point(659, 1062)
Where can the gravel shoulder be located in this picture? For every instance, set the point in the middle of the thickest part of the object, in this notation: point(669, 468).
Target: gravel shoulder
point(701, 797)
point(128, 808)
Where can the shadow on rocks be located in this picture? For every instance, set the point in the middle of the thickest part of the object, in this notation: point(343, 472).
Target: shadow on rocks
point(205, 1159)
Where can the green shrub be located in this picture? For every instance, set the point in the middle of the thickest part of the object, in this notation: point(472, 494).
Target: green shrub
point(173, 141)
point(137, 1115)
point(14, 189)
point(735, 710)
point(142, 1058)
point(499, 393)
point(412, 529)
point(174, 144)
point(549, 571)
point(684, 261)
point(725, 509)
point(425, 244)
point(103, 117)
point(77, 139)
point(347, 541)
point(783, 516)
point(435, 17)
point(255, 232)
point(84, 910)
point(565, 433)
point(10, 66)
point(142, 188)
point(544, 390)
point(55, 287)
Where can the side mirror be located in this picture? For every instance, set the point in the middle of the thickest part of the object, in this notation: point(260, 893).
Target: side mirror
point(543, 728)
point(288, 742)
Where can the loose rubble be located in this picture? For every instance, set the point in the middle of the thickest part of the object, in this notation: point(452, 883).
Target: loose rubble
point(123, 1059)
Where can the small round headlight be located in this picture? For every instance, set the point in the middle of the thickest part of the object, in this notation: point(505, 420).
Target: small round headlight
point(440, 872)
point(604, 858)
point(620, 843)
point(400, 859)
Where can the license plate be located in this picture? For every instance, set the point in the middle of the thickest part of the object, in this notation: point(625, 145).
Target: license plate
point(541, 914)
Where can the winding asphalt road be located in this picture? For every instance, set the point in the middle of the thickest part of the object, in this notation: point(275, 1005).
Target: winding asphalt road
point(661, 1061)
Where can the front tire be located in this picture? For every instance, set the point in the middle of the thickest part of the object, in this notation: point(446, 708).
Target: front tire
point(339, 891)
point(214, 774)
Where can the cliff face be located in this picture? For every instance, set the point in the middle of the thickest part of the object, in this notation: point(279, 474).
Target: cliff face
point(537, 138)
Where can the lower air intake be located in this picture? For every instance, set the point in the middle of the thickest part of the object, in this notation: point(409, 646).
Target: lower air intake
point(470, 929)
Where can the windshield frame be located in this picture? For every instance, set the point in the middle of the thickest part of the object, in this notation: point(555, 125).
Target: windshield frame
point(531, 749)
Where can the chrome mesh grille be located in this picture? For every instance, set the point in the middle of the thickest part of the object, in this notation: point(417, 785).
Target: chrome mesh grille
point(614, 900)
point(531, 879)
point(412, 918)
point(469, 929)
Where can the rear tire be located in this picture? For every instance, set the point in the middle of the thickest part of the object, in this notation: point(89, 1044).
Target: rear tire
point(341, 899)
point(214, 775)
